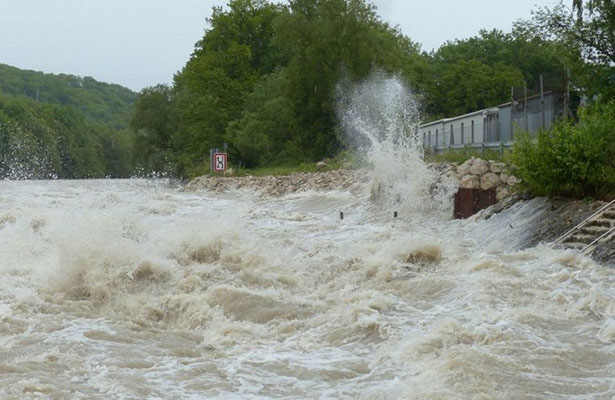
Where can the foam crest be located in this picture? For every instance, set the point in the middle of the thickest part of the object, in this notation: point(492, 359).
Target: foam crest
point(133, 289)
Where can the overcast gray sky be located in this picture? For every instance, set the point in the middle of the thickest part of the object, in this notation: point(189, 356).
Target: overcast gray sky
point(139, 43)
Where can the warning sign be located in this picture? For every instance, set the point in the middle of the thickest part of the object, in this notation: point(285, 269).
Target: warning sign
point(220, 162)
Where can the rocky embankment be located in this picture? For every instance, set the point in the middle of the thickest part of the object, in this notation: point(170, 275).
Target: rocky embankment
point(342, 179)
point(474, 174)
point(477, 173)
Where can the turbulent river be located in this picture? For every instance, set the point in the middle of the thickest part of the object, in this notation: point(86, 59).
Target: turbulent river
point(137, 289)
point(134, 289)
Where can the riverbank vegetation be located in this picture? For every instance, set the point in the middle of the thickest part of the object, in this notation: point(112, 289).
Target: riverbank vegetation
point(573, 160)
point(576, 158)
point(265, 79)
point(63, 126)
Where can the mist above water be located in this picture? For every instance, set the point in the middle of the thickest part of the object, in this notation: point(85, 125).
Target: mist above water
point(379, 117)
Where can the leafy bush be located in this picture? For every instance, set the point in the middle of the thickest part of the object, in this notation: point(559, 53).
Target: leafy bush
point(571, 160)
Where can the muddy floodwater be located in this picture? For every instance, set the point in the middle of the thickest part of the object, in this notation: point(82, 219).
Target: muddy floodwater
point(135, 289)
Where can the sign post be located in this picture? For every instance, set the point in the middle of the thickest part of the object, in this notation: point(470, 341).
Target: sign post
point(219, 161)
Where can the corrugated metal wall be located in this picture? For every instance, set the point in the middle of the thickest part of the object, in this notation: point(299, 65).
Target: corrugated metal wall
point(495, 126)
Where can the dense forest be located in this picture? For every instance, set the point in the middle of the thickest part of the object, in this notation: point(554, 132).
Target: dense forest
point(264, 79)
point(63, 126)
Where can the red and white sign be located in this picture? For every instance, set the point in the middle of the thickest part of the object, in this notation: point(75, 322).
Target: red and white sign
point(220, 162)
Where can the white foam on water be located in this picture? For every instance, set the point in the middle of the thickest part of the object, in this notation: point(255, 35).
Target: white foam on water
point(133, 289)
point(380, 117)
point(239, 296)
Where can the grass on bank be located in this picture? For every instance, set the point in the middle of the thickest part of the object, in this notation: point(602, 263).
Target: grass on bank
point(460, 156)
point(352, 160)
point(344, 159)
point(348, 159)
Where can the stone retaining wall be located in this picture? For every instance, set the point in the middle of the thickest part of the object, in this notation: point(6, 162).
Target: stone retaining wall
point(477, 173)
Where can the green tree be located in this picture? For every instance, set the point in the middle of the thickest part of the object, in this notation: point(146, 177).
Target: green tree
point(266, 132)
point(98, 102)
point(63, 126)
point(587, 32)
point(330, 41)
point(575, 160)
point(50, 140)
point(479, 72)
point(211, 90)
point(151, 120)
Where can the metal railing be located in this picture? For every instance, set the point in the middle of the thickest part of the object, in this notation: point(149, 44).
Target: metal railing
point(586, 220)
point(605, 234)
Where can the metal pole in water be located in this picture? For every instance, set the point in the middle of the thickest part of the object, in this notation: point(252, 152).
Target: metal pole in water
point(341, 215)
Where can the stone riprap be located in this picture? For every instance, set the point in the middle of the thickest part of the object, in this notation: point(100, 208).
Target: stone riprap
point(342, 179)
point(474, 174)
point(477, 173)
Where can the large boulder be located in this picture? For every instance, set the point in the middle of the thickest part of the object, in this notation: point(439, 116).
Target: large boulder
point(470, 182)
point(479, 167)
point(464, 169)
point(489, 181)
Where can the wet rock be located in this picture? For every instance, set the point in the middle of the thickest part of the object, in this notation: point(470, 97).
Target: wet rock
point(479, 167)
point(280, 185)
point(451, 176)
point(489, 181)
point(464, 169)
point(501, 192)
point(605, 253)
point(470, 182)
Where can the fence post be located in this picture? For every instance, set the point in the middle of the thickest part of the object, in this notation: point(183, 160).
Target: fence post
point(567, 96)
point(527, 124)
point(513, 109)
point(542, 104)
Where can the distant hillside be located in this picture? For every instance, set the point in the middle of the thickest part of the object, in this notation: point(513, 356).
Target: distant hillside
point(98, 102)
point(64, 126)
